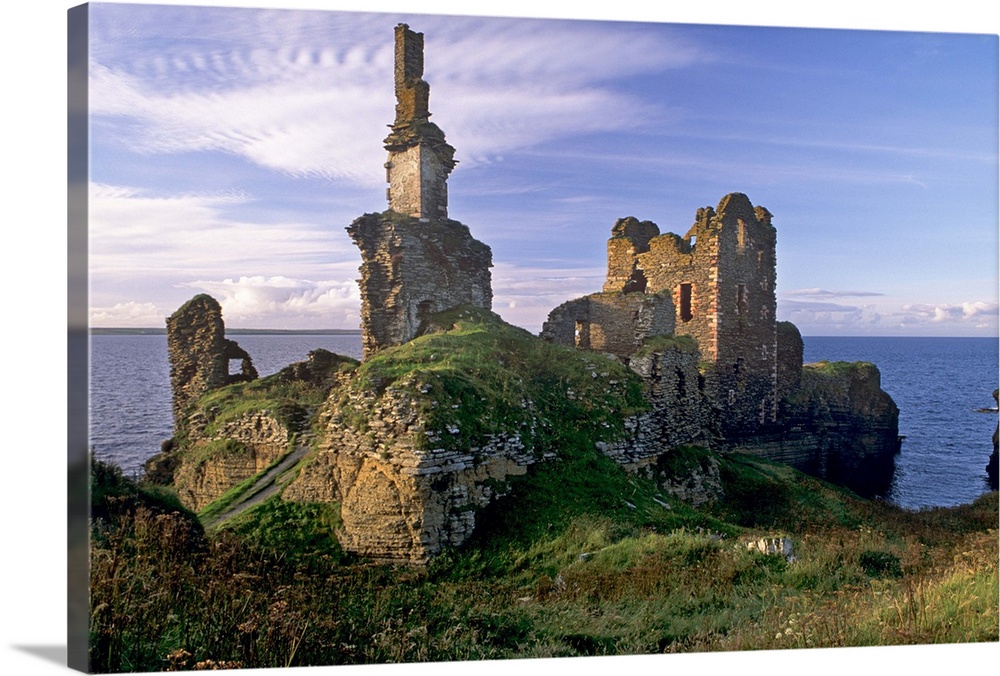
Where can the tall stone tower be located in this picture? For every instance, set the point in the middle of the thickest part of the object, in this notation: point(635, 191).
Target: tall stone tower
point(420, 159)
point(415, 260)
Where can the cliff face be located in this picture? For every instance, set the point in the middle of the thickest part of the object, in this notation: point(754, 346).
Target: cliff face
point(994, 461)
point(838, 425)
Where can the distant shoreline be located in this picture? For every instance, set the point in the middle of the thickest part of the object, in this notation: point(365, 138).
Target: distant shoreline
point(101, 331)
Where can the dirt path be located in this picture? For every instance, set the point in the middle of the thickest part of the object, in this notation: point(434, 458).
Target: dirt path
point(265, 486)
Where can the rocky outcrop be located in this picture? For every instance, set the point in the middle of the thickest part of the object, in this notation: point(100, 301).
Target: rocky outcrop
point(678, 413)
point(235, 451)
point(838, 425)
point(232, 433)
point(414, 445)
point(199, 353)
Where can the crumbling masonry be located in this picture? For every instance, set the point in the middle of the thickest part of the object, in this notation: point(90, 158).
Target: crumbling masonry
point(199, 354)
point(715, 284)
point(415, 261)
point(692, 316)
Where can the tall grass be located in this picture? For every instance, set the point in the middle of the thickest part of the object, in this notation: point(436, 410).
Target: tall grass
point(274, 589)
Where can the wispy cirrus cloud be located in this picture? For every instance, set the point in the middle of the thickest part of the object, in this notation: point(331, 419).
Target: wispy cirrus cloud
point(136, 231)
point(311, 100)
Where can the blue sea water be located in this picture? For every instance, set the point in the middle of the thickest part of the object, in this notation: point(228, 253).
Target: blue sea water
point(939, 384)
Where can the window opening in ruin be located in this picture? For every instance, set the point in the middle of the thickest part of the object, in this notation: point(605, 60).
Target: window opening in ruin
point(693, 240)
point(235, 366)
point(741, 234)
point(738, 366)
point(685, 303)
point(741, 303)
point(581, 336)
point(636, 282)
point(681, 384)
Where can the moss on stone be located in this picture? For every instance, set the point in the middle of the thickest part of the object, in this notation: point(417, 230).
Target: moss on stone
point(473, 375)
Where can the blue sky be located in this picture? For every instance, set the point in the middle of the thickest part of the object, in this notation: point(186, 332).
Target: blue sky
point(231, 147)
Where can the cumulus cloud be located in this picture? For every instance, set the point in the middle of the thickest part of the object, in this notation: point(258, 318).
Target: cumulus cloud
point(128, 314)
point(285, 302)
point(958, 312)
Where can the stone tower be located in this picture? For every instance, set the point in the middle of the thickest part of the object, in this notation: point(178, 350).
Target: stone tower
point(420, 159)
point(415, 260)
point(721, 277)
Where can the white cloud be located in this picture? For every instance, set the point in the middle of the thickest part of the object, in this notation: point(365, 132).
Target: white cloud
point(135, 232)
point(128, 314)
point(284, 302)
point(827, 294)
point(308, 102)
point(524, 296)
point(956, 312)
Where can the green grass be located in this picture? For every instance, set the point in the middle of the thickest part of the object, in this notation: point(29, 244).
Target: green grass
point(561, 567)
point(473, 376)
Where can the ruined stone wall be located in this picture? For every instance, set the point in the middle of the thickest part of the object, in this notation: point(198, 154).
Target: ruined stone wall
point(679, 413)
point(200, 478)
point(402, 498)
point(199, 353)
point(721, 275)
point(790, 350)
point(417, 183)
point(411, 270)
point(616, 323)
point(629, 238)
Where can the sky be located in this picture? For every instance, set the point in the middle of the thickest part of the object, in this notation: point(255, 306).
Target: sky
point(231, 147)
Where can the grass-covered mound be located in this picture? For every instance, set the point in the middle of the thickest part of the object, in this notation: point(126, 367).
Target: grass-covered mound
point(473, 376)
point(579, 558)
point(291, 396)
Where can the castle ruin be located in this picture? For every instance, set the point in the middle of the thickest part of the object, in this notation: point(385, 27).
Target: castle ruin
point(415, 260)
point(715, 284)
point(692, 317)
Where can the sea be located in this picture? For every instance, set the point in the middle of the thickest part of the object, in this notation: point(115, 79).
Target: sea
point(942, 386)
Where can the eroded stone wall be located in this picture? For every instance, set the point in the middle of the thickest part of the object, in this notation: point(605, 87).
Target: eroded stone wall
point(420, 159)
point(679, 413)
point(199, 353)
point(402, 497)
point(203, 476)
point(616, 323)
point(721, 279)
point(411, 270)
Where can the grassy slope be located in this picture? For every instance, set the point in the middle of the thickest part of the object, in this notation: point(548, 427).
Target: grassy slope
point(579, 559)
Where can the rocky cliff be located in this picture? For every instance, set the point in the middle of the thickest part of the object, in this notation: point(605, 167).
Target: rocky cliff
point(994, 461)
point(838, 425)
